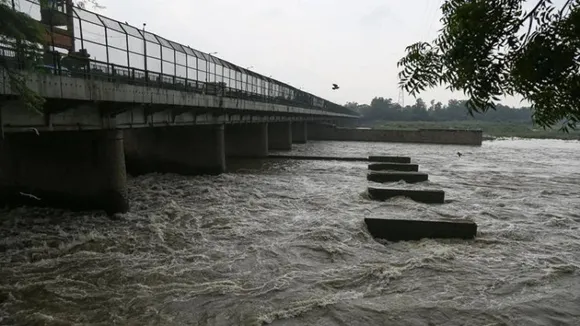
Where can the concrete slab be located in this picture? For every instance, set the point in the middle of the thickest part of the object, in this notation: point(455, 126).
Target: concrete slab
point(392, 159)
point(423, 196)
point(407, 230)
point(390, 176)
point(317, 158)
point(394, 167)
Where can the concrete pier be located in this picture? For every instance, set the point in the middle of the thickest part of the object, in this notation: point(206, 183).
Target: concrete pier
point(191, 150)
point(246, 140)
point(395, 176)
point(299, 132)
point(423, 196)
point(280, 136)
point(394, 167)
point(81, 170)
point(406, 230)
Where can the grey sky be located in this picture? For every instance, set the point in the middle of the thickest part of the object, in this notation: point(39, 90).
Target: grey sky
point(306, 43)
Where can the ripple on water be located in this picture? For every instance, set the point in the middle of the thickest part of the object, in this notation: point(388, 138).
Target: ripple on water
point(284, 242)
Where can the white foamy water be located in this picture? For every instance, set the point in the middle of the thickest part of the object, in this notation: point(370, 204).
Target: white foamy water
point(284, 243)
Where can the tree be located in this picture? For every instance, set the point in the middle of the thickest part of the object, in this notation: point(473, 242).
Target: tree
point(494, 48)
point(383, 109)
point(419, 110)
point(83, 4)
point(26, 35)
point(351, 105)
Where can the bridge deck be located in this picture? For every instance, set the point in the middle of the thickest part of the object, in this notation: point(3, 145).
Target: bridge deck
point(78, 103)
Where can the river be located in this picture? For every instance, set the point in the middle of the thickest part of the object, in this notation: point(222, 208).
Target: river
point(284, 243)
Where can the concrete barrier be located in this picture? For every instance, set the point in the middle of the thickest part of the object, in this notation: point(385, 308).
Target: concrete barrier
point(423, 196)
point(406, 230)
point(389, 176)
point(317, 158)
point(394, 167)
point(429, 136)
point(390, 159)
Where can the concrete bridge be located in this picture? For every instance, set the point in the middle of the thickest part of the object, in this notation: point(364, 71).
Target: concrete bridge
point(102, 119)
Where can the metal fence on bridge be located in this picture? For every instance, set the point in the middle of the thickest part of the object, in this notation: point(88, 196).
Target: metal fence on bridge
point(101, 47)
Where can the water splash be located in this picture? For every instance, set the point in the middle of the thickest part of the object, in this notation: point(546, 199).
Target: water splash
point(285, 243)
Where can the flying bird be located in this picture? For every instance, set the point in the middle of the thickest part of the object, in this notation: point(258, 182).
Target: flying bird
point(459, 154)
point(334, 86)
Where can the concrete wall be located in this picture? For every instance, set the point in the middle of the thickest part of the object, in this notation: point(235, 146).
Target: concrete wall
point(246, 140)
point(280, 136)
point(432, 136)
point(185, 150)
point(79, 170)
point(299, 132)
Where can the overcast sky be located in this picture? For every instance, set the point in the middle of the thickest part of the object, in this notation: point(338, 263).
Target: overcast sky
point(309, 44)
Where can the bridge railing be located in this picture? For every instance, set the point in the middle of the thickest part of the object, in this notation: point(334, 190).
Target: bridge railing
point(103, 48)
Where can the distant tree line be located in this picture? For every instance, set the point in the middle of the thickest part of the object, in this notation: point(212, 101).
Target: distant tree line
point(384, 109)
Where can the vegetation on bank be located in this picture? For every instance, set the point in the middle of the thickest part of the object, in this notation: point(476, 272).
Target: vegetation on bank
point(455, 110)
point(504, 121)
point(490, 129)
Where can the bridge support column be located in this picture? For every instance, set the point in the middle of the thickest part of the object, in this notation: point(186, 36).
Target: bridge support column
point(280, 136)
point(299, 132)
point(80, 170)
point(247, 140)
point(191, 150)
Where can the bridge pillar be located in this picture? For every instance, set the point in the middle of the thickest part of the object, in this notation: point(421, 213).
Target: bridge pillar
point(247, 140)
point(189, 150)
point(68, 169)
point(280, 136)
point(299, 132)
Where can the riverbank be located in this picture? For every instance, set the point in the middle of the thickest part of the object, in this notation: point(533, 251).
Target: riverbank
point(491, 130)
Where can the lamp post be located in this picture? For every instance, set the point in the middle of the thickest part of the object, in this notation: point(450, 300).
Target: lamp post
point(145, 54)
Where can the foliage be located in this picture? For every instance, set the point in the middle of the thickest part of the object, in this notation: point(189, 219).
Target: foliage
point(19, 28)
point(490, 129)
point(84, 3)
point(27, 34)
point(494, 48)
point(384, 109)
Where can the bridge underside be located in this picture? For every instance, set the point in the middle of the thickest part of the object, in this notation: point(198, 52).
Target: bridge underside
point(92, 116)
point(90, 134)
point(88, 169)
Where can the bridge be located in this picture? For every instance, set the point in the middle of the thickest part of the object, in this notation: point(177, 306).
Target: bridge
point(120, 99)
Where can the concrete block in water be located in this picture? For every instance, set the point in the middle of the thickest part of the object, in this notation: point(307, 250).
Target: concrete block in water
point(406, 230)
point(317, 158)
point(394, 167)
point(392, 159)
point(423, 196)
point(387, 176)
